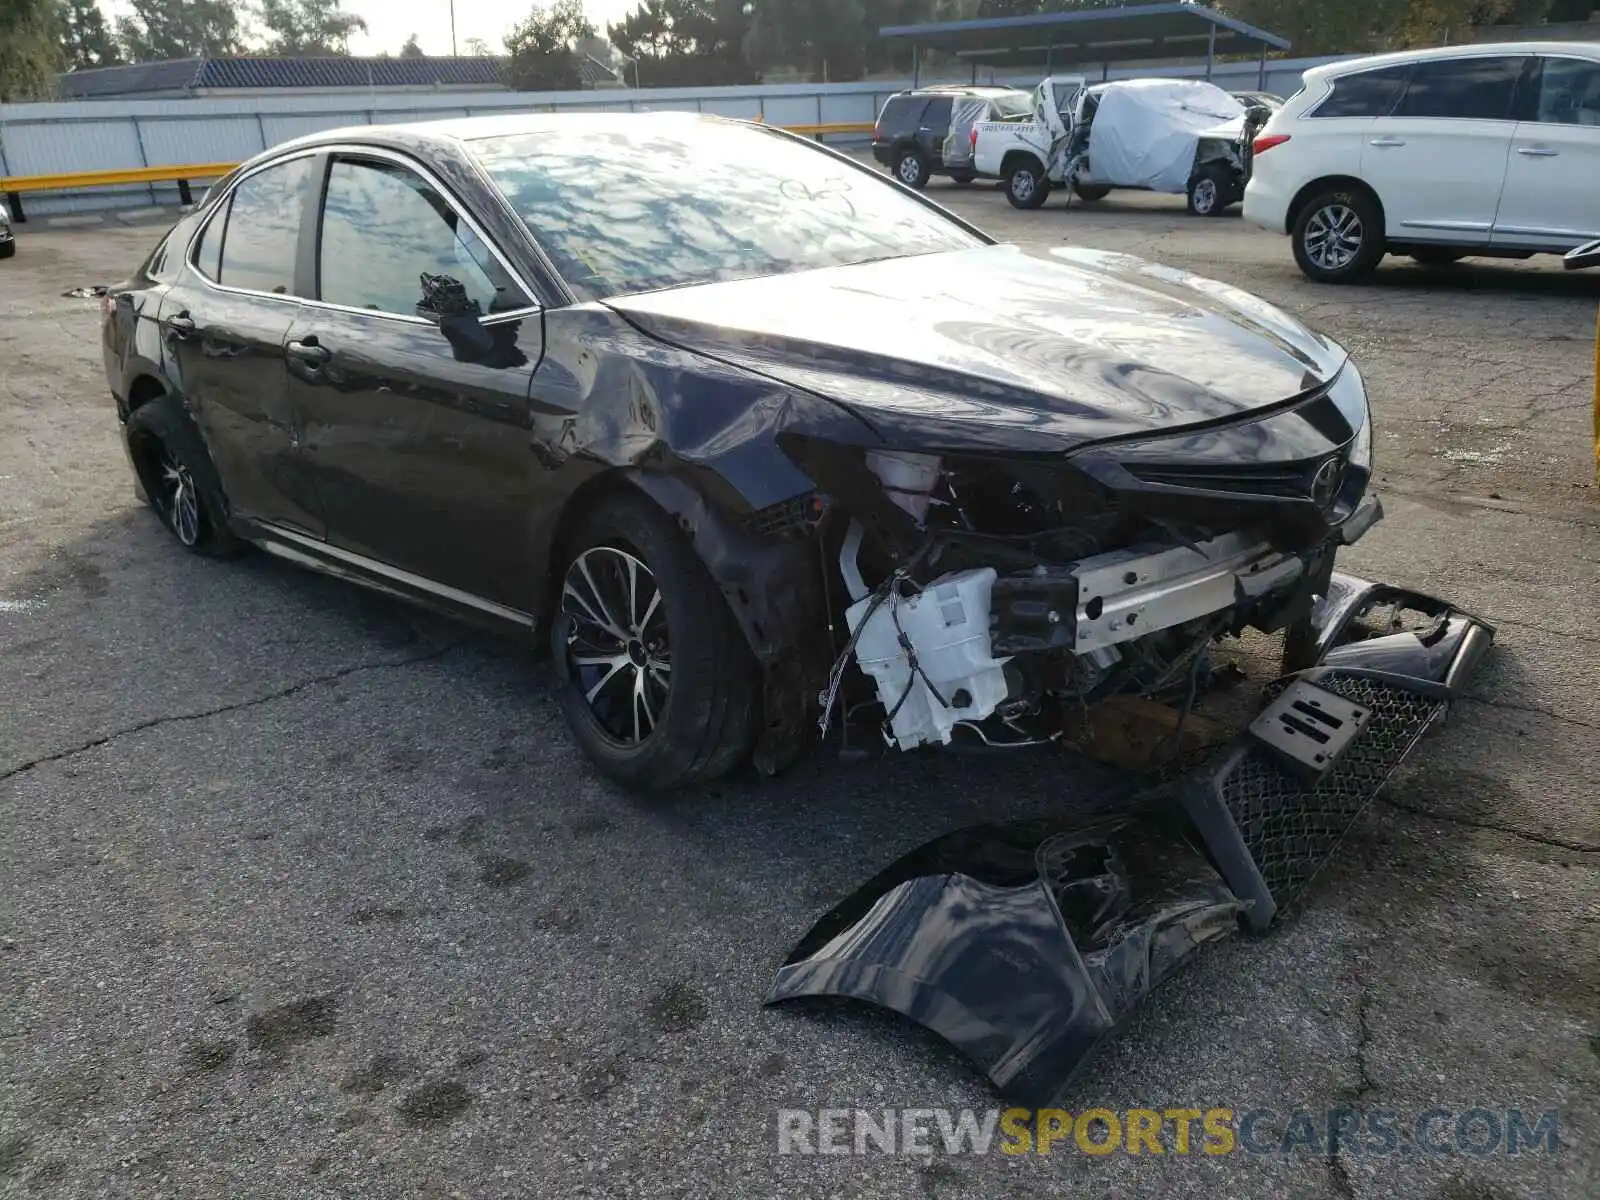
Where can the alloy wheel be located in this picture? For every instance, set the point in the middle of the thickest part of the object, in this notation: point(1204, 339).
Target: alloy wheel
point(180, 503)
point(1333, 237)
point(616, 641)
point(910, 170)
point(1205, 196)
point(1022, 184)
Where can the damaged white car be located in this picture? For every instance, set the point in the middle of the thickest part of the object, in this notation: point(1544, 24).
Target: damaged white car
point(1181, 136)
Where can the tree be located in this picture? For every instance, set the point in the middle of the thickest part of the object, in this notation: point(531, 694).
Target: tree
point(478, 48)
point(308, 28)
point(163, 29)
point(86, 39)
point(686, 43)
point(411, 49)
point(541, 48)
point(30, 50)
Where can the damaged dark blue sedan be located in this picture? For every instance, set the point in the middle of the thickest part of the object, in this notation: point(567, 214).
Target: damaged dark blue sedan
point(700, 401)
point(757, 441)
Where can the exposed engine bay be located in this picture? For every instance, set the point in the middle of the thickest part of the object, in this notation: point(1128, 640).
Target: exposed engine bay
point(998, 635)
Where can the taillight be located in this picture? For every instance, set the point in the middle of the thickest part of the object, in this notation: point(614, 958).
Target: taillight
point(1267, 141)
point(973, 137)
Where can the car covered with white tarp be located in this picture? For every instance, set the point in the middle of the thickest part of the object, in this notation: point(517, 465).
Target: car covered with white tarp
point(1182, 136)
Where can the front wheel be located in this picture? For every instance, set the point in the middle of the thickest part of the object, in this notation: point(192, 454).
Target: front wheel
point(911, 169)
point(1027, 186)
point(963, 177)
point(658, 683)
point(1338, 236)
point(8, 249)
point(1090, 191)
point(1209, 192)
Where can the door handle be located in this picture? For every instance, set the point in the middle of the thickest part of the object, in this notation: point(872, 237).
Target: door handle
point(309, 350)
point(1537, 151)
point(181, 324)
point(1388, 141)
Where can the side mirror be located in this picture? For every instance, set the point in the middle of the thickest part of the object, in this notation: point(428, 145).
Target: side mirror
point(1583, 257)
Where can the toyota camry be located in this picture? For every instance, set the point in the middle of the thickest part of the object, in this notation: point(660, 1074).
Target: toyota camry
point(752, 439)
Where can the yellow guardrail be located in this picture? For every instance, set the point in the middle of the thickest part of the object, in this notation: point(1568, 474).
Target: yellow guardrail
point(13, 186)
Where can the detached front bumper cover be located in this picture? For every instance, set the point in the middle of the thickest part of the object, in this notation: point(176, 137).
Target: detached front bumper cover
point(1025, 944)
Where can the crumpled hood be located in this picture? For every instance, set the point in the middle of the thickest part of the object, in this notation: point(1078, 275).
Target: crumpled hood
point(1002, 347)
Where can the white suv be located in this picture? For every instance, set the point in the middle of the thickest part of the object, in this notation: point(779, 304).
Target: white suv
point(1491, 150)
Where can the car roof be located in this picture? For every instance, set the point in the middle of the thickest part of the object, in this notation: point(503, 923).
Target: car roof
point(466, 129)
point(1467, 50)
point(961, 89)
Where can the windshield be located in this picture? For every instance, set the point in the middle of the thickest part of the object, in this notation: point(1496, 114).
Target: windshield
point(1018, 105)
point(637, 204)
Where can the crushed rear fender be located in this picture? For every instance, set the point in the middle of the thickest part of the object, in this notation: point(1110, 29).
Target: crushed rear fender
point(1025, 944)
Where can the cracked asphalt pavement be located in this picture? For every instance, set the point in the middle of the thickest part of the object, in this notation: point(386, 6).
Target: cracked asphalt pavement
point(304, 893)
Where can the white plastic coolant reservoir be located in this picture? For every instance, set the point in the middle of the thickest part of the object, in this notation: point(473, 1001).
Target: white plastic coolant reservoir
point(948, 625)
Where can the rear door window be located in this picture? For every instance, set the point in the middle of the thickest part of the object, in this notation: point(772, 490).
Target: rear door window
point(900, 114)
point(208, 252)
point(262, 235)
point(1364, 94)
point(937, 115)
point(1465, 89)
point(1569, 93)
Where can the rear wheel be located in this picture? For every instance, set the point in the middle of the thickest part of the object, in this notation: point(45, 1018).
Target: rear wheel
point(179, 479)
point(962, 177)
point(7, 249)
point(1026, 185)
point(911, 169)
point(1090, 191)
point(1338, 236)
point(658, 683)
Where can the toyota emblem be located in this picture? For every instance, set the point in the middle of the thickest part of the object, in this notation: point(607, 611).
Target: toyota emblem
point(1325, 483)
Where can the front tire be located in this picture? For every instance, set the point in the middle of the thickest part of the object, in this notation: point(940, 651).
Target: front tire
point(1090, 191)
point(1026, 185)
point(658, 683)
point(179, 478)
point(963, 177)
point(1209, 192)
point(1338, 236)
point(8, 249)
point(911, 169)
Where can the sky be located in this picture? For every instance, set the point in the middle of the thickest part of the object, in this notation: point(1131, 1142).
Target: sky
point(390, 22)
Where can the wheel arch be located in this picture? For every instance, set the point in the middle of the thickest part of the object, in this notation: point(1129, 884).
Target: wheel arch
point(1016, 155)
point(1327, 183)
point(755, 574)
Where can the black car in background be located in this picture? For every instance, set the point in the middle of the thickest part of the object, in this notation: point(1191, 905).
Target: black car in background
point(912, 134)
point(696, 402)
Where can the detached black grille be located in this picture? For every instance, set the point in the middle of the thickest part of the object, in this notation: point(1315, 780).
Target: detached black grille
point(1272, 831)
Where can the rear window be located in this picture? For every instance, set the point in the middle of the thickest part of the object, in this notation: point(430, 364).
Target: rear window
point(1468, 89)
point(1364, 94)
point(635, 205)
point(1020, 105)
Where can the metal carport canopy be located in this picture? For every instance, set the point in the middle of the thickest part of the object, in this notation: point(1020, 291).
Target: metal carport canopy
point(1136, 33)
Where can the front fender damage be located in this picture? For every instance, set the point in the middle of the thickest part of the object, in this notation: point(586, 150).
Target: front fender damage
point(1025, 945)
